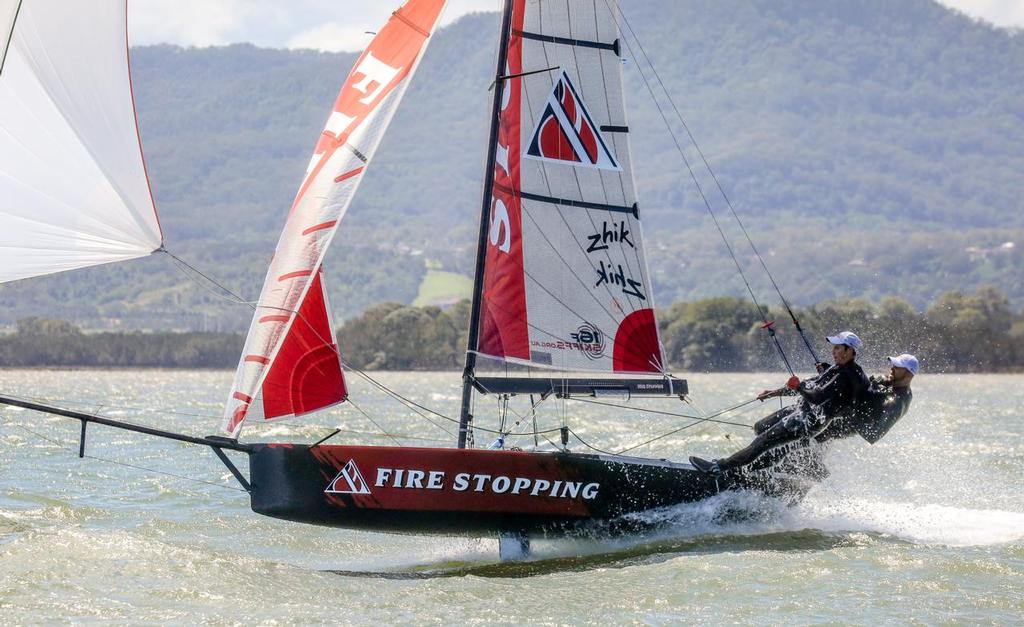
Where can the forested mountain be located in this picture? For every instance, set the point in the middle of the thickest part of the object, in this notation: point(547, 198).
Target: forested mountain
point(871, 147)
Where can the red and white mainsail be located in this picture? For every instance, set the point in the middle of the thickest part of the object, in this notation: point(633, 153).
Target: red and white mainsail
point(73, 185)
point(565, 281)
point(290, 364)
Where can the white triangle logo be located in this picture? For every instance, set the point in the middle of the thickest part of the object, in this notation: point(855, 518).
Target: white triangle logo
point(348, 481)
point(565, 132)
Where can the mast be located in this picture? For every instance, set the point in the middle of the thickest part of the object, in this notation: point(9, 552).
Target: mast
point(485, 211)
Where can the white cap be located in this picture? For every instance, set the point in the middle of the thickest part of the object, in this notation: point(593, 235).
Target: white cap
point(906, 360)
point(845, 338)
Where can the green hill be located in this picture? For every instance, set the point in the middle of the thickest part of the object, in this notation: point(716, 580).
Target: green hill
point(872, 147)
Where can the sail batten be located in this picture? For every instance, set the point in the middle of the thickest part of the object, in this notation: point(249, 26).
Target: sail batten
point(295, 366)
point(565, 283)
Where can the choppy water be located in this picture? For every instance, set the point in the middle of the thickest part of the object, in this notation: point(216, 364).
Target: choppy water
point(925, 527)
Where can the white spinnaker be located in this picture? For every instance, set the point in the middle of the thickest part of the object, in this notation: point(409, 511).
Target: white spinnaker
point(73, 185)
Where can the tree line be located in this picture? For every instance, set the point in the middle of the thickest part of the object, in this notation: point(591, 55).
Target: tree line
point(959, 332)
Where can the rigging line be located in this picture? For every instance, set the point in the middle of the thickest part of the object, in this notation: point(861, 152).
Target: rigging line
point(721, 190)
point(520, 418)
point(410, 404)
point(710, 418)
point(181, 263)
point(702, 413)
point(591, 446)
point(128, 465)
point(684, 427)
point(696, 422)
point(374, 423)
point(675, 140)
point(383, 434)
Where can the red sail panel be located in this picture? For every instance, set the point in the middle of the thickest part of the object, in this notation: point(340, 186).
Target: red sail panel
point(306, 375)
point(504, 330)
point(636, 347)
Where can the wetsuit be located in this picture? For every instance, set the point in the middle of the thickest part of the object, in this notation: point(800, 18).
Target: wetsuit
point(832, 394)
point(877, 410)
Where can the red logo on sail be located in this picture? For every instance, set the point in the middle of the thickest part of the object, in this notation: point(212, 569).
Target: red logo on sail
point(567, 133)
point(348, 481)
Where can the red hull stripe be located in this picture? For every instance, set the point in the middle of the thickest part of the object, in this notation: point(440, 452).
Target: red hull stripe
point(275, 318)
point(320, 227)
point(294, 275)
point(260, 359)
point(245, 398)
point(348, 174)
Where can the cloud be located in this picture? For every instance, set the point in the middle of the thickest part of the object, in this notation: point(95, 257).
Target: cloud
point(332, 37)
point(189, 22)
point(458, 8)
point(322, 24)
point(1005, 13)
point(340, 24)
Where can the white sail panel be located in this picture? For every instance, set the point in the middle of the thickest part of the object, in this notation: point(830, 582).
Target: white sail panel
point(73, 184)
point(566, 283)
point(290, 364)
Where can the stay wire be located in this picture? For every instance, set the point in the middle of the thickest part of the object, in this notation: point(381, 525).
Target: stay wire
point(721, 190)
point(710, 418)
point(768, 325)
point(227, 294)
point(254, 306)
point(696, 421)
point(374, 423)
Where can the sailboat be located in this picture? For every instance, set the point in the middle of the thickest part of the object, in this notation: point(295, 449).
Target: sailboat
point(561, 284)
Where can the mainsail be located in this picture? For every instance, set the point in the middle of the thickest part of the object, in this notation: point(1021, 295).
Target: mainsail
point(290, 364)
point(73, 184)
point(565, 280)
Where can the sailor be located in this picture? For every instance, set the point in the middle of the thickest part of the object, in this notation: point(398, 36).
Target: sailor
point(885, 402)
point(830, 395)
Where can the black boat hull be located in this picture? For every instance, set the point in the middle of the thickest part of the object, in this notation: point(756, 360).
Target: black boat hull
point(477, 492)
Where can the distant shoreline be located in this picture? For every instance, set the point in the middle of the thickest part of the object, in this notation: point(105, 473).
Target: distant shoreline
point(959, 333)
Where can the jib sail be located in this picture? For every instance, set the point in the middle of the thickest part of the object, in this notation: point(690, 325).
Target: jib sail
point(290, 364)
point(565, 280)
point(73, 185)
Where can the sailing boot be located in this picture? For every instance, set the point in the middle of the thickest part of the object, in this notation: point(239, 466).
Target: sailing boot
point(705, 466)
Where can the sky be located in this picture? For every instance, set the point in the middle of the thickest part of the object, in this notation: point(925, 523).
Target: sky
point(341, 24)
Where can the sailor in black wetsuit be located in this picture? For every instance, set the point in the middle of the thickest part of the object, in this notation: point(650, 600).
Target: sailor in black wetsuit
point(885, 402)
point(832, 394)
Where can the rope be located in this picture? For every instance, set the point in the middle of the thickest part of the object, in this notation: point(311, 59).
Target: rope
point(697, 421)
point(721, 190)
point(767, 325)
point(374, 423)
point(674, 414)
point(181, 264)
point(235, 298)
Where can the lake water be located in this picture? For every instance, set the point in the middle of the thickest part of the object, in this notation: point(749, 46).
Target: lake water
point(925, 527)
